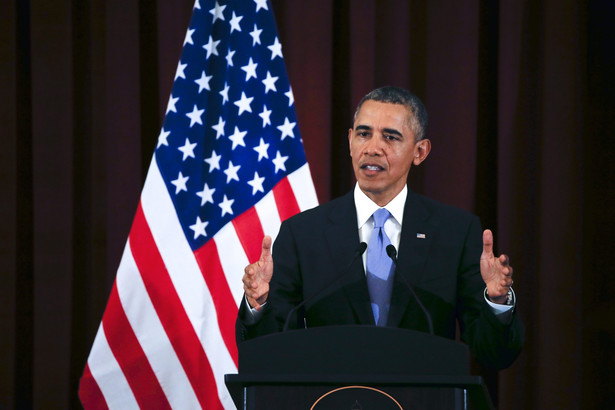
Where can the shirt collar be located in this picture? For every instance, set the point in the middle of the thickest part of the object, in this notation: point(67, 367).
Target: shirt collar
point(366, 207)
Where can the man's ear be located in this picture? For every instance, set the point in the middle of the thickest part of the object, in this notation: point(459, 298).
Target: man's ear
point(349, 140)
point(421, 151)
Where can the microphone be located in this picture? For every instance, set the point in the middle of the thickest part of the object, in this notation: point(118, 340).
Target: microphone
point(392, 252)
point(359, 252)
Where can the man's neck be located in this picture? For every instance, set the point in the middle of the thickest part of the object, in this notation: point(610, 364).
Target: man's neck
point(366, 206)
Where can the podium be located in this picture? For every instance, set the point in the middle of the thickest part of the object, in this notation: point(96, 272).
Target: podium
point(355, 367)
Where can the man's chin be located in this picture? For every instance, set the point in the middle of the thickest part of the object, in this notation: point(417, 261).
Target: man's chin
point(371, 190)
point(378, 193)
point(369, 187)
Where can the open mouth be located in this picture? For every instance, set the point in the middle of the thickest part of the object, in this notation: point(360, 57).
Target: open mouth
point(372, 167)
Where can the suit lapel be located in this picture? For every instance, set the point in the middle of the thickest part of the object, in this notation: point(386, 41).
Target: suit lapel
point(342, 239)
point(417, 235)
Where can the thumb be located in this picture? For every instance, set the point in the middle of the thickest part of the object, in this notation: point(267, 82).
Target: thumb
point(487, 242)
point(266, 249)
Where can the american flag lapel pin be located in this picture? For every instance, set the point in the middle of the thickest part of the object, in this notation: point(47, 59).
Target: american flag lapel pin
point(420, 235)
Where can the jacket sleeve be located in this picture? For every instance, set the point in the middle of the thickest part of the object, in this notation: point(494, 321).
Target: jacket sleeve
point(494, 344)
point(285, 291)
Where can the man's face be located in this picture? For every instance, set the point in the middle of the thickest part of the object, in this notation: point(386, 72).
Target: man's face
point(382, 148)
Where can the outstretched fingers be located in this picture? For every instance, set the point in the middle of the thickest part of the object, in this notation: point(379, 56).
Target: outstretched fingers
point(266, 249)
point(258, 274)
point(487, 244)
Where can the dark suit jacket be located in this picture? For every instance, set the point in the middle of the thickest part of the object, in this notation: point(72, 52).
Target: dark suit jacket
point(316, 246)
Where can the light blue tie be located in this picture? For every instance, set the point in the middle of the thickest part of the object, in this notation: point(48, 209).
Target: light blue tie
point(379, 269)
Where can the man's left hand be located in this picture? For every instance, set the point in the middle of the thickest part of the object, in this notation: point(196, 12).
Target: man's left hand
point(496, 272)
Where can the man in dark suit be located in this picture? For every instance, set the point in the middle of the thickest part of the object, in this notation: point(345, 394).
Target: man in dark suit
point(441, 257)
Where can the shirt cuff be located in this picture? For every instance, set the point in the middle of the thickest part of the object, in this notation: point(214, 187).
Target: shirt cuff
point(253, 315)
point(503, 312)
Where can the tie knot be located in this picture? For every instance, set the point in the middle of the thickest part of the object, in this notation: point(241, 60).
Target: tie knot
point(380, 217)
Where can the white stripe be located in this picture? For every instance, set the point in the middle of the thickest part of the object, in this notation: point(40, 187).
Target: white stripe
point(186, 277)
point(267, 211)
point(232, 258)
point(303, 187)
point(151, 335)
point(109, 376)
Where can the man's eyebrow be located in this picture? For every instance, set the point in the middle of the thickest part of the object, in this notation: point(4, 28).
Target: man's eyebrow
point(386, 130)
point(392, 131)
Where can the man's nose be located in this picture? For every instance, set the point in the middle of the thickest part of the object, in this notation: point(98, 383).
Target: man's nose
point(374, 146)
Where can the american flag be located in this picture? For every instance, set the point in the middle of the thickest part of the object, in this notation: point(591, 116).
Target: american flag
point(229, 166)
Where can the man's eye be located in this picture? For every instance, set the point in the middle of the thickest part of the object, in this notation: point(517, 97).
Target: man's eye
point(363, 134)
point(390, 137)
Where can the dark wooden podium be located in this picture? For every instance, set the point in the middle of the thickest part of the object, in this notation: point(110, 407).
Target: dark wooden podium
point(355, 367)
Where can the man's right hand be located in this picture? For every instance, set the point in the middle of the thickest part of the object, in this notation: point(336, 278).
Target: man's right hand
point(257, 276)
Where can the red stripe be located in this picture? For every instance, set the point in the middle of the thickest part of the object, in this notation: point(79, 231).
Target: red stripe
point(89, 393)
point(172, 314)
point(250, 232)
point(226, 309)
point(285, 199)
point(130, 356)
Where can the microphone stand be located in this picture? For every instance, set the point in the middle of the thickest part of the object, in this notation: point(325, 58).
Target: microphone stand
point(359, 252)
point(392, 252)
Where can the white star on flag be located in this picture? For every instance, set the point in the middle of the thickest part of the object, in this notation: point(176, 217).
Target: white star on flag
point(287, 129)
point(219, 127)
point(235, 22)
point(279, 162)
point(187, 149)
point(188, 39)
point(250, 69)
point(231, 172)
point(199, 227)
point(224, 93)
point(206, 194)
point(195, 116)
point(244, 103)
point(237, 138)
point(213, 161)
point(265, 115)
point(256, 184)
point(276, 49)
point(291, 97)
point(211, 47)
point(256, 35)
point(203, 82)
point(180, 71)
point(270, 83)
point(261, 4)
point(171, 104)
point(180, 183)
point(225, 205)
point(262, 150)
point(217, 12)
point(162, 137)
point(229, 57)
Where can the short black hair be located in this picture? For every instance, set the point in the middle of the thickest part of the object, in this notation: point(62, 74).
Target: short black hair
point(397, 95)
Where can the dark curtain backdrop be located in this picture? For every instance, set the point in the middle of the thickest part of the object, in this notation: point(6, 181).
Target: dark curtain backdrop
point(520, 98)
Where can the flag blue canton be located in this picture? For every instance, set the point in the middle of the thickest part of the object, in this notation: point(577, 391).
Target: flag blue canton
point(230, 132)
